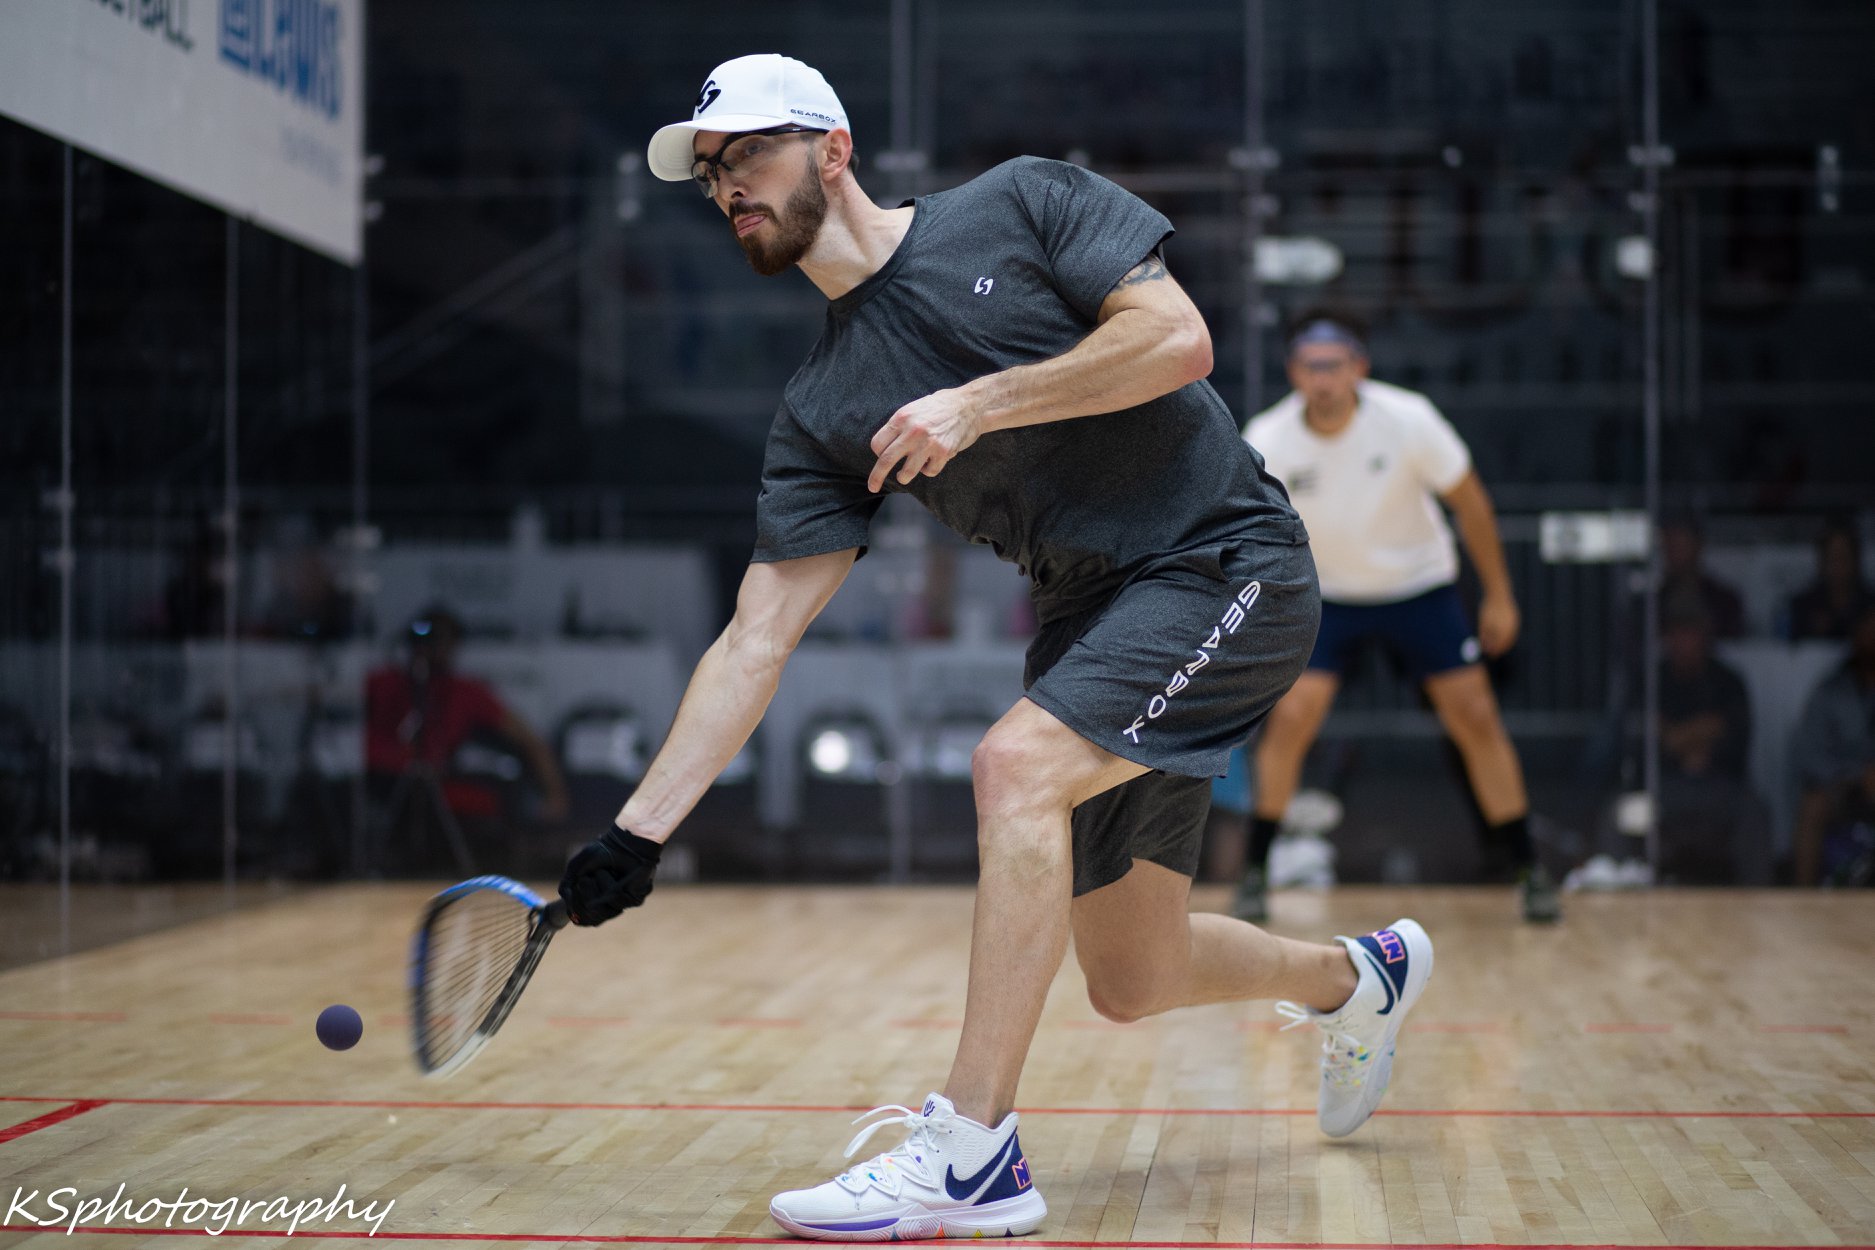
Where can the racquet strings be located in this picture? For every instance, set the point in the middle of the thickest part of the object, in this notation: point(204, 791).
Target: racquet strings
point(475, 943)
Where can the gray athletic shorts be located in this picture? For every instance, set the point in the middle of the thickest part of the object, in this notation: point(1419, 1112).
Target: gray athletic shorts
point(1181, 665)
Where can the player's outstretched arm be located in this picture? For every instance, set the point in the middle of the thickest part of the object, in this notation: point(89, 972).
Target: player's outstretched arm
point(732, 686)
point(727, 695)
point(1149, 341)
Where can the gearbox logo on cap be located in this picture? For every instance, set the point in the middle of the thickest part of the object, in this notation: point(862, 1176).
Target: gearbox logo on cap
point(707, 96)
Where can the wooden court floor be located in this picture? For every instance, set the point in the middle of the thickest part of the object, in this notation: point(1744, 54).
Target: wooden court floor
point(1666, 1069)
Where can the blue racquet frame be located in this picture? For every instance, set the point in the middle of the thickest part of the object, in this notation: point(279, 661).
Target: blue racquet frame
point(544, 920)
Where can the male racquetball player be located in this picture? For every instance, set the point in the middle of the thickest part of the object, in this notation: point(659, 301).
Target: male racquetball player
point(1013, 354)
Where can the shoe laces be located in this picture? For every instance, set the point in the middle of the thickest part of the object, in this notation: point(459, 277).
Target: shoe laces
point(1344, 1056)
point(886, 1171)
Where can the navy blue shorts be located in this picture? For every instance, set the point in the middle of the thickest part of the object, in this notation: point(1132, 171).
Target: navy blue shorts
point(1428, 633)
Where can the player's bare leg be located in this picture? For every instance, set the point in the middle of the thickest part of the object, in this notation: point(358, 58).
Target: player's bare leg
point(960, 1170)
point(1143, 953)
point(1467, 708)
point(1030, 772)
point(1281, 747)
point(1286, 737)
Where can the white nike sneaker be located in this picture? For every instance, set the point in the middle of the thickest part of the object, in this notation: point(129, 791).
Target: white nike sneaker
point(951, 1177)
point(1357, 1051)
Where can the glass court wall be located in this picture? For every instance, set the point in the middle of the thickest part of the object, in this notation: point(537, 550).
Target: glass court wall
point(179, 487)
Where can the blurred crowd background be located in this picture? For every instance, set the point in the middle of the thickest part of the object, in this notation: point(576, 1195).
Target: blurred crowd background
point(401, 568)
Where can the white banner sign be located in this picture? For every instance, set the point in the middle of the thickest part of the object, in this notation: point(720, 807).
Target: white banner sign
point(255, 106)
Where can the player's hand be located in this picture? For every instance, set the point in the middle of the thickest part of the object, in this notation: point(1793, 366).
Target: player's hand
point(1498, 624)
point(609, 875)
point(923, 437)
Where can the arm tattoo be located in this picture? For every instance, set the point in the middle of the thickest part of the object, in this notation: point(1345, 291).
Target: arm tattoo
point(1149, 270)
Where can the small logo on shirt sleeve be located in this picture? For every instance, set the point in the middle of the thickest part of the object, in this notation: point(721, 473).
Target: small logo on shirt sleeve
point(983, 285)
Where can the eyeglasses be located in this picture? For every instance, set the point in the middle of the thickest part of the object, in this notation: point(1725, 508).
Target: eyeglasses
point(743, 155)
point(1321, 366)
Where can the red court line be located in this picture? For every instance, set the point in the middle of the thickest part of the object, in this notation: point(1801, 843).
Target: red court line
point(1246, 1026)
point(50, 1118)
point(1501, 1113)
point(644, 1240)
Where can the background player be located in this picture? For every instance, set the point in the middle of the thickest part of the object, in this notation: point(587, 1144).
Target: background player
point(1014, 355)
point(1367, 465)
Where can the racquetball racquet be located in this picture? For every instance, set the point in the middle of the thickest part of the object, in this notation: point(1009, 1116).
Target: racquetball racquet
point(475, 948)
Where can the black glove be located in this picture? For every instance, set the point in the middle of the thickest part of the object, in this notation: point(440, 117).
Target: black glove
point(609, 875)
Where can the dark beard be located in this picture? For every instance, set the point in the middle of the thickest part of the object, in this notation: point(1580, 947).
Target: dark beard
point(795, 229)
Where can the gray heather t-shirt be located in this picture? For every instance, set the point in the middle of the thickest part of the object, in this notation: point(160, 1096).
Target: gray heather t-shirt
point(1011, 268)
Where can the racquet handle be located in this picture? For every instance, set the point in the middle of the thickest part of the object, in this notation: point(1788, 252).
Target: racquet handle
point(553, 915)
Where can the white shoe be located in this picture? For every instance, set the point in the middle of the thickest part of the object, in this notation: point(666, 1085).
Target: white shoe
point(1357, 1051)
point(951, 1177)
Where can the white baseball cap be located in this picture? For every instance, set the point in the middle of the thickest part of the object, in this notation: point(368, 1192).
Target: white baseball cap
point(748, 93)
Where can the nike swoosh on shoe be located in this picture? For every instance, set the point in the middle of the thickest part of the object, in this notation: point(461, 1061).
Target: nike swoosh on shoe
point(962, 1190)
point(1385, 981)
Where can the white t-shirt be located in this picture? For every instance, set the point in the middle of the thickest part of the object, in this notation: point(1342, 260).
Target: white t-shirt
point(1367, 494)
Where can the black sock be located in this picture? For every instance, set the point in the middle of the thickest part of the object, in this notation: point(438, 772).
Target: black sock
point(1513, 837)
point(1262, 835)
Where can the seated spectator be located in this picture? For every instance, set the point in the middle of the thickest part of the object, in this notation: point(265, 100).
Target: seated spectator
point(1682, 553)
point(1713, 829)
point(1833, 752)
point(1828, 606)
point(419, 713)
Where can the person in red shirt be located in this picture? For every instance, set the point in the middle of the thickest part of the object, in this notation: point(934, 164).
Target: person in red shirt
point(420, 713)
